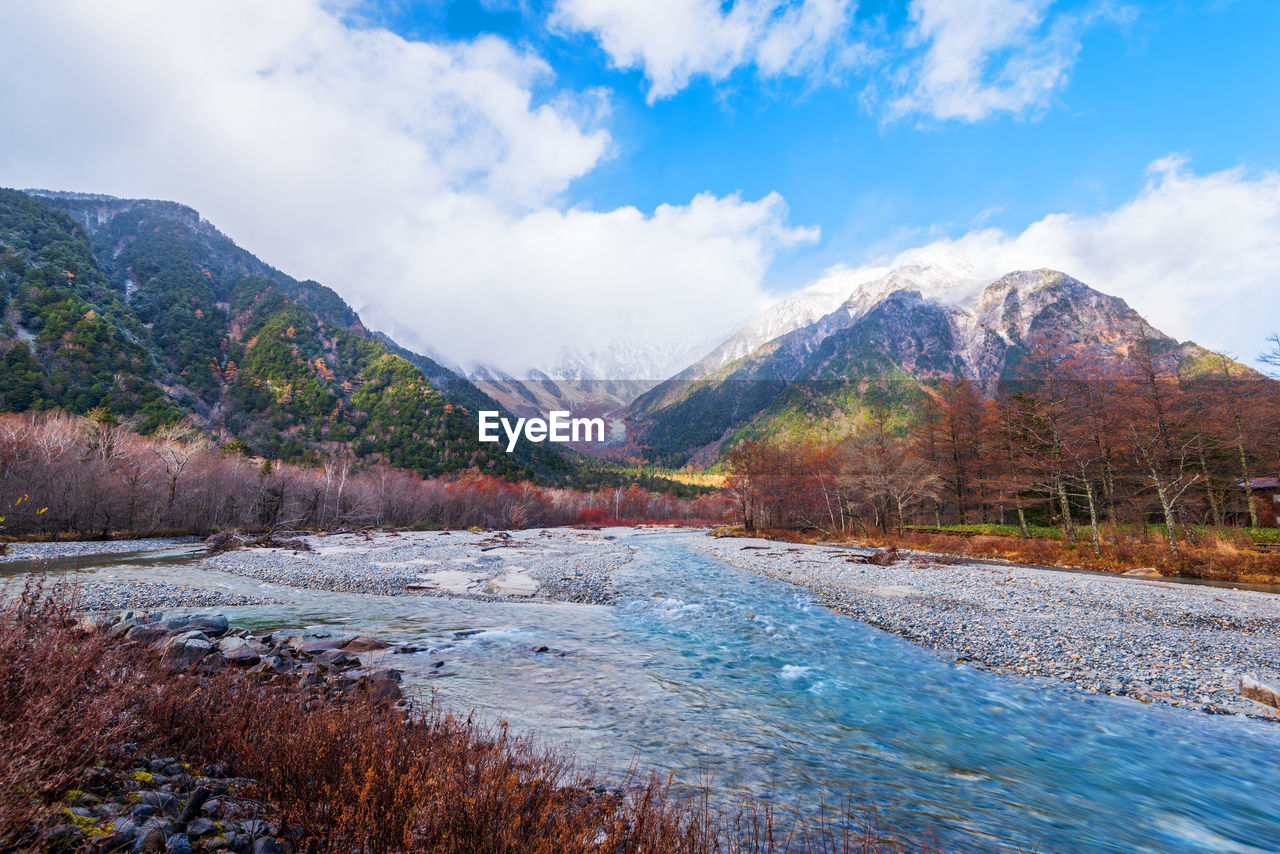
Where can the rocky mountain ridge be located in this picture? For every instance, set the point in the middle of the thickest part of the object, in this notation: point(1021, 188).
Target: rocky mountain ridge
point(912, 328)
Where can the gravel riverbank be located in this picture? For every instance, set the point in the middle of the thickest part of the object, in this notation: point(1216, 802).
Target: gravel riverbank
point(1180, 644)
point(558, 564)
point(122, 595)
point(79, 548)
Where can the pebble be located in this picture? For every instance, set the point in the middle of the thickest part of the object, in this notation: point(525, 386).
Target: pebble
point(122, 594)
point(568, 565)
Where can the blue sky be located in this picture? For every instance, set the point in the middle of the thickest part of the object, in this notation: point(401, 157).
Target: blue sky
point(502, 181)
point(1199, 79)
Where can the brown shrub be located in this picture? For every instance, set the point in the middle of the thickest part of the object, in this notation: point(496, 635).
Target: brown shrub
point(350, 775)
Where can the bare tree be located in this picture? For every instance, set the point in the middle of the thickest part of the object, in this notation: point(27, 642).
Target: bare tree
point(175, 446)
point(1272, 356)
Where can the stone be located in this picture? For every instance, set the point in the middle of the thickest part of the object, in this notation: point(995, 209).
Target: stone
point(183, 650)
point(123, 830)
point(365, 644)
point(212, 625)
point(144, 633)
point(149, 839)
point(513, 583)
point(311, 647)
point(385, 690)
point(336, 658)
point(200, 827)
point(1259, 692)
point(161, 802)
point(122, 628)
point(266, 845)
point(256, 827)
point(326, 633)
point(238, 652)
point(178, 843)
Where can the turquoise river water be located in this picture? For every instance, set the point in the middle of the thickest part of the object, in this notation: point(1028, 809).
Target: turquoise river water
point(716, 673)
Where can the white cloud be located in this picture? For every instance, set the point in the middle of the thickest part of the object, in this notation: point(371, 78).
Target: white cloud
point(1197, 255)
point(955, 59)
point(420, 180)
point(676, 40)
point(986, 56)
point(584, 279)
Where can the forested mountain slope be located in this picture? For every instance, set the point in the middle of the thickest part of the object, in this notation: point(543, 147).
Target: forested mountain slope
point(143, 310)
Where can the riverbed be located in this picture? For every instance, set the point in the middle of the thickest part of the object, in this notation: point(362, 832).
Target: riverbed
point(718, 671)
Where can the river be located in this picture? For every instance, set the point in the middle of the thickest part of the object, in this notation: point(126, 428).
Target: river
point(716, 673)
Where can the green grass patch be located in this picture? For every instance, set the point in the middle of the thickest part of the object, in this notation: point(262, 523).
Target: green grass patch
point(1039, 532)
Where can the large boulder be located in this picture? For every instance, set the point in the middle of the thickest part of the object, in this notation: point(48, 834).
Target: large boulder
point(365, 644)
point(240, 652)
point(213, 625)
point(183, 650)
point(145, 633)
point(383, 690)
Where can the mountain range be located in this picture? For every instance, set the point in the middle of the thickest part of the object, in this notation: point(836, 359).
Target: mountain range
point(599, 382)
point(143, 312)
point(907, 330)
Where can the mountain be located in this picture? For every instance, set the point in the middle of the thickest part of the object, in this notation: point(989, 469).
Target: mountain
point(143, 310)
point(899, 334)
point(811, 304)
point(594, 383)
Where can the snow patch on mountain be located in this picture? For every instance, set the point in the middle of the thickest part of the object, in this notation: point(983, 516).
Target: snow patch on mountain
point(838, 299)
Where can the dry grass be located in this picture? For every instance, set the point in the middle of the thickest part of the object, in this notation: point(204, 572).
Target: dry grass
point(1217, 555)
point(352, 776)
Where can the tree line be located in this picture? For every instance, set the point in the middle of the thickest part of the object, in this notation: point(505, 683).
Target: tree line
point(91, 477)
point(1088, 446)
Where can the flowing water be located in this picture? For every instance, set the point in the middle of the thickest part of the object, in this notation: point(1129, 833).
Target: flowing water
point(713, 672)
